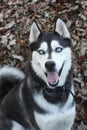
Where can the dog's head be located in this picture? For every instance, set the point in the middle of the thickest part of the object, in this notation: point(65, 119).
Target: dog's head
point(51, 53)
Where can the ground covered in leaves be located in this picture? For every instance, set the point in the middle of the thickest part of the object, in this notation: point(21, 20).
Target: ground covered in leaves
point(16, 17)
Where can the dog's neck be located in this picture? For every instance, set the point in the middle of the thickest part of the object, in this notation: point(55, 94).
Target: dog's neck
point(59, 94)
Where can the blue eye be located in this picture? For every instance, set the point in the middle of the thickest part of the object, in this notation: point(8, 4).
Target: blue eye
point(58, 49)
point(41, 52)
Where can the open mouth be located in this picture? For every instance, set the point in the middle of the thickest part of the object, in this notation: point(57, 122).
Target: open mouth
point(52, 78)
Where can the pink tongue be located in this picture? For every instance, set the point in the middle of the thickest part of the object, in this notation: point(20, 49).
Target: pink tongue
point(52, 77)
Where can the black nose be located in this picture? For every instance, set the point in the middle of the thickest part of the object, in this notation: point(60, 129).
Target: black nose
point(50, 65)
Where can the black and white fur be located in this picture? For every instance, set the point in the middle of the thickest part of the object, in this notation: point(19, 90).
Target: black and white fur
point(42, 100)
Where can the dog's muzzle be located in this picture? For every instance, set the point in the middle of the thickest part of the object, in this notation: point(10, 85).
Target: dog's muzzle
point(52, 75)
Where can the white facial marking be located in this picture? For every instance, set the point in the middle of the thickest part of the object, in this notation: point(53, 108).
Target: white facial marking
point(43, 46)
point(55, 44)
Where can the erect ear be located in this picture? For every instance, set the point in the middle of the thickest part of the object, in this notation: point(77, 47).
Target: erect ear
point(34, 32)
point(61, 28)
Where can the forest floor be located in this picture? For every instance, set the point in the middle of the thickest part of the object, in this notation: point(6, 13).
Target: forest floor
point(16, 17)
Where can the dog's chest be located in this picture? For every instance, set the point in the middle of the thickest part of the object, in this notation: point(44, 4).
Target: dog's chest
point(57, 121)
point(56, 118)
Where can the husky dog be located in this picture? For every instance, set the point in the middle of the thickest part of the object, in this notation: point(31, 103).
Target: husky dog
point(43, 100)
